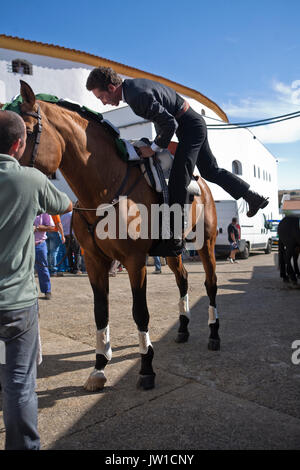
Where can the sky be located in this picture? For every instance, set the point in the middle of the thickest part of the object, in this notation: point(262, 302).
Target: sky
point(242, 55)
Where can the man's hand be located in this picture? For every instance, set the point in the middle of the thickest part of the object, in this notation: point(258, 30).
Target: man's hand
point(146, 152)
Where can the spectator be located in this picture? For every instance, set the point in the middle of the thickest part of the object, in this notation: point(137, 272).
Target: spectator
point(42, 224)
point(82, 267)
point(113, 268)
point(233, 237)
point(72, 245)
point(157, 265)
point(54, 240)
point(25, 192)
point(192, 255)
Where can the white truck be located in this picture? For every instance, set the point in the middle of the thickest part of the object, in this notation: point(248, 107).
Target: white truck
point(254, 231)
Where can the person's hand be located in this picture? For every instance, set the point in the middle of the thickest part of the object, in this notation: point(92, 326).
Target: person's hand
point(63, 240)
point(146, 152)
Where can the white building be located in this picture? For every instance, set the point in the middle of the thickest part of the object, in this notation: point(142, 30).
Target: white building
point(63, 72)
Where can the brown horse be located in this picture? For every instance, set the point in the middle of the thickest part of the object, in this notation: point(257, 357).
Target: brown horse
point(86, 155)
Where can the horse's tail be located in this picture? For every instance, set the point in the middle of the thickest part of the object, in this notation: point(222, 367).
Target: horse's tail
point(282, 259)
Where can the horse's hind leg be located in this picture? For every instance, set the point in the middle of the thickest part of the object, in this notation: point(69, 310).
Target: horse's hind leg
point(181, 275)
point(209, 263)
point(98, 268)
point(137, 275)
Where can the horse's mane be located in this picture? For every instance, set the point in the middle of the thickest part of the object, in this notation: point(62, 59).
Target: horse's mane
point(82, 111)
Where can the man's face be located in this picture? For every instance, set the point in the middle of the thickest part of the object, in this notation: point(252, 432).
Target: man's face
point(111, 96)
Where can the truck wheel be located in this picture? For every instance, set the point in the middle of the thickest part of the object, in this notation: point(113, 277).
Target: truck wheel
point(245, 253)
point(268, 249)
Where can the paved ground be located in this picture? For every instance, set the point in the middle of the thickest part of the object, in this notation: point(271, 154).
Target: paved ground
point(244, 397)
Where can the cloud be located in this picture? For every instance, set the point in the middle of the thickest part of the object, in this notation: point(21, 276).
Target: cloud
point(285, 98)
point(289, 94)
point(282, 132)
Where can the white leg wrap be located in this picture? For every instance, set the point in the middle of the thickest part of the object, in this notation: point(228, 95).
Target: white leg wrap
point(212, 315)
point(103, 344)
point(144, 341)
point(97, 373)
point(183, 305)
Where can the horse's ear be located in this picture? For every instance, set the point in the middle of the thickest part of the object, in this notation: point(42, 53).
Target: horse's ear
point(27, 93)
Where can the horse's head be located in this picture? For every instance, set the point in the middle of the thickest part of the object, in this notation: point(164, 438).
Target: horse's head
point(44, 146)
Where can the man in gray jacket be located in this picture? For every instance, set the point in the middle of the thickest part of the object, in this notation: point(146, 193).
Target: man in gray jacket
point(24, 193)
point(171, 114)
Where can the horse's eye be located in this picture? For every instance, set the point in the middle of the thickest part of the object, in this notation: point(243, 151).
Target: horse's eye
point(29, 132)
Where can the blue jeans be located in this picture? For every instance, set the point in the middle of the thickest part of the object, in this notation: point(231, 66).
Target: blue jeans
point(19, 331)
point(157, 263)
point(53, 245)
point(62, 258)
point(41, 266)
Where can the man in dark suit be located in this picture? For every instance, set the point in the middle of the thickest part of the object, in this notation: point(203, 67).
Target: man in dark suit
point(171, 114)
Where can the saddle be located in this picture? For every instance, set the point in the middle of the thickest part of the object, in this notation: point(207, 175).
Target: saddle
point(157, 169)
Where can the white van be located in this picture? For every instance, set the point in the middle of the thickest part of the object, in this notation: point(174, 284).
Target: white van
point(254, 235)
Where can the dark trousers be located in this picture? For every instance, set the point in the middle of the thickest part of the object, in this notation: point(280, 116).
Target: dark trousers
point(73, 250)
point(193, 149)
point(19, 331)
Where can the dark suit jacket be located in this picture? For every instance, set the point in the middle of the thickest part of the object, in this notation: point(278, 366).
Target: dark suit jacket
point(156, 103)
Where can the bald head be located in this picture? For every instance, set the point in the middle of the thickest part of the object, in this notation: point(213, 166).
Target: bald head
point(12, 134)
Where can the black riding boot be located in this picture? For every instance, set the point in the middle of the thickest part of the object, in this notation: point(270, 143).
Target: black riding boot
point(255, 202)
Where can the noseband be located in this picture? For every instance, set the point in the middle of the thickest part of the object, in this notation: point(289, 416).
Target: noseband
point(38, 116)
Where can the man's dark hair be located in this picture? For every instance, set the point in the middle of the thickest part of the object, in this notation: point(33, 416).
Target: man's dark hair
point(101, 77)
point(234, 219)
point(11, 129)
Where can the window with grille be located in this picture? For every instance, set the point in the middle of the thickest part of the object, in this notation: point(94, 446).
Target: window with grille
point(237, 167)
point(21, 66)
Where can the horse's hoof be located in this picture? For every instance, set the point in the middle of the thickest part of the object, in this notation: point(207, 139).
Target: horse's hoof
point(214, 344)
point(182, 337)
point(95, 382)
point(146, 382)
point(294, 285)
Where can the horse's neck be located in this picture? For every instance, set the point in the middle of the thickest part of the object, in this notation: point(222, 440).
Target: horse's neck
point(90, 163)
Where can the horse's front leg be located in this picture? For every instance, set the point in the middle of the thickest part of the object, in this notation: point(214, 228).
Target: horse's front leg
point(282, 261)
point(291, 273)
point(98, 269)
point(181, 276)
point(138, 275)
point(295, 262)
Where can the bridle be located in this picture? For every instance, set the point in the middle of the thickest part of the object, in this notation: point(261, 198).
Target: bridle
point(38, 116)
